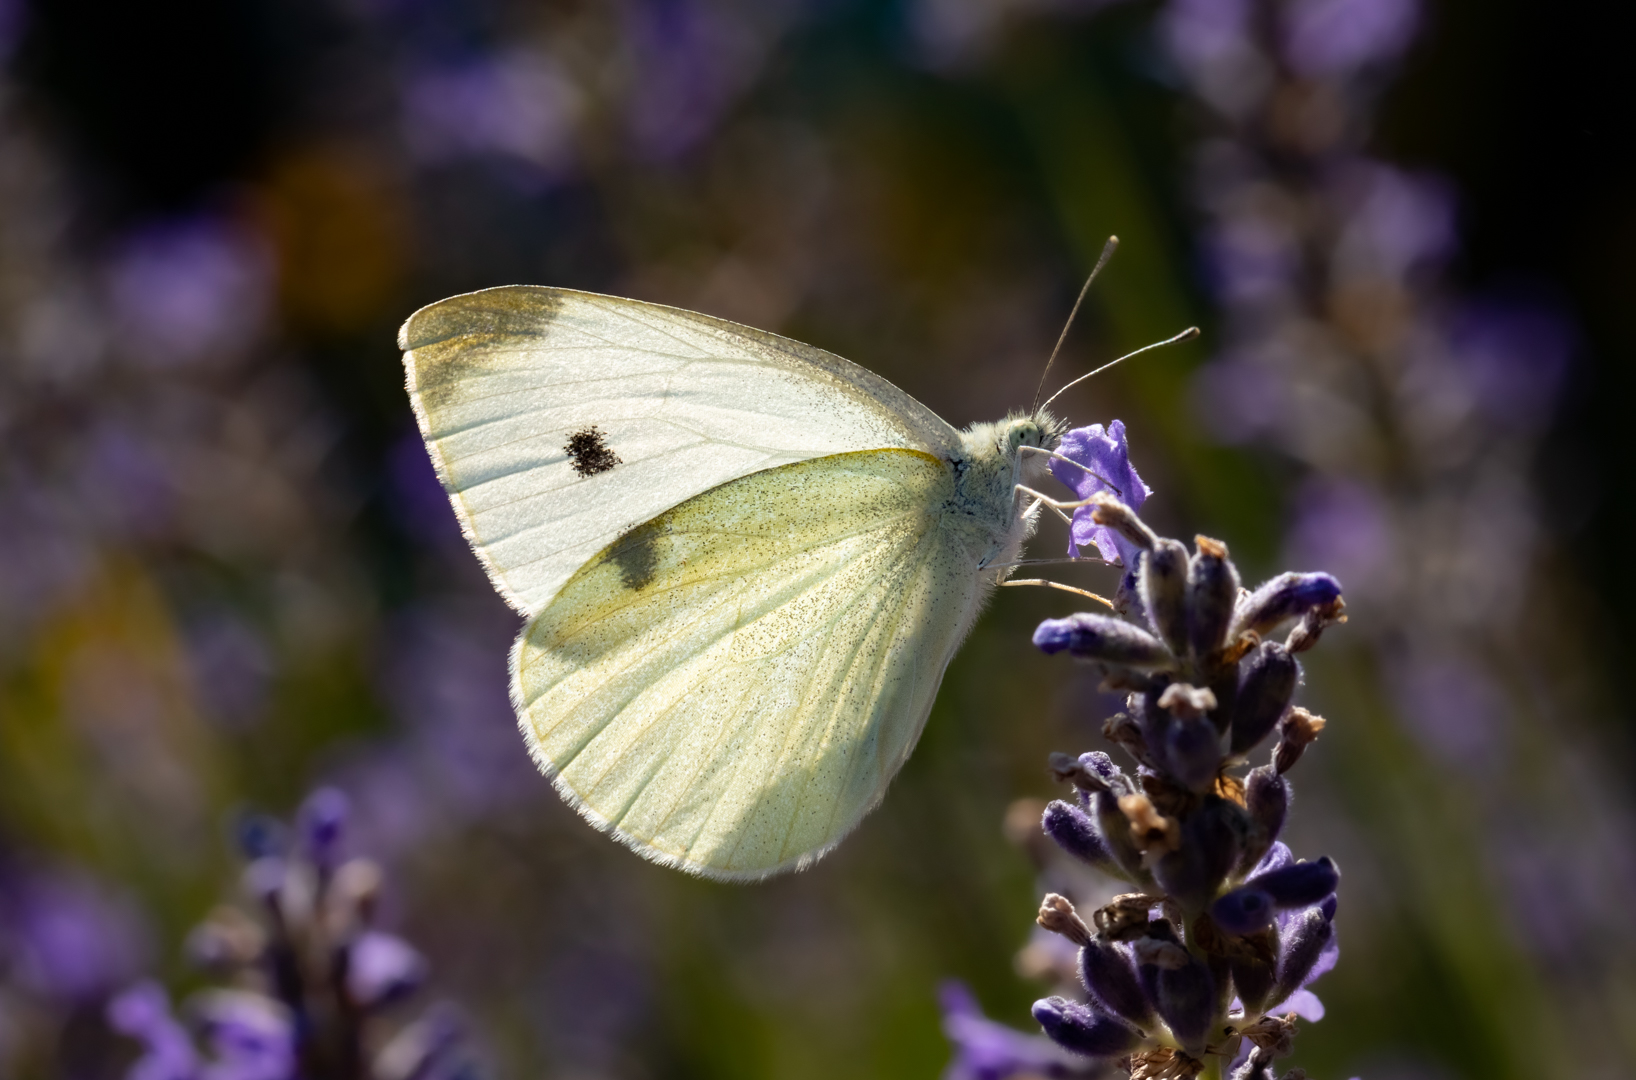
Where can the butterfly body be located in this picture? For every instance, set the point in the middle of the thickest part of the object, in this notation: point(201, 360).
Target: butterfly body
point(746, 563)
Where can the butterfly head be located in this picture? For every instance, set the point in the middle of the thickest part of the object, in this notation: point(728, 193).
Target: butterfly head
point(1038, 429)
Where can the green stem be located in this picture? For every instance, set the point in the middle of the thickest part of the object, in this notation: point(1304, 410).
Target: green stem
point(1212, 1067)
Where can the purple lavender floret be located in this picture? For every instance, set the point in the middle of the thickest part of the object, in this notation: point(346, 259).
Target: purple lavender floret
point(1251, 906)
point(321, 821)
point(143, 1013)
point(986, 1050)
point(1287, 596)
point(1083, 1029)
point(1101, 460)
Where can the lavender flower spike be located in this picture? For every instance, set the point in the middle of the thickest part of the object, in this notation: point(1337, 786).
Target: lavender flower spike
point(1101, 463)
point(316, 974)
point(1225, 913)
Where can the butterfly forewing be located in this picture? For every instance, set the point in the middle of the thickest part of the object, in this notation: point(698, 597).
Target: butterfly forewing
point(731, 686)
point(557, 420)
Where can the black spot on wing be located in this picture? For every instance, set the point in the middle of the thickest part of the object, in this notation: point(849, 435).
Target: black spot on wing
point(589, 453)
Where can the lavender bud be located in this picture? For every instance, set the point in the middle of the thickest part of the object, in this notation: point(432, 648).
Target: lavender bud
point(1076, 833)
point(1083, 1030)
point(1057, 915)
point(1258, 1066)
point(322, 820)
point(260, 836)
point(1106, 971)
point(1277, 857)
point(1116, 833)
point(1182, 700)
point(1158, 950)
point(264, 879)
point(1125, 917)
point(249, 1029)
point(1212, 591)
point(1102, 638)
point(1266, 797)
point(1102, 765)
point(1152, 722)
point(1244, 910)
point(1109, 511)
point(1265, 689)
point(1164, 593)
point(1273, 1034)
point(1313, 624)
point(1296, 732)
point(1298, 885)
point(1251, 906)
point(1211, 839)
point(1193, 752)
point(381, 968)
point(1090, 772)
point(1304, 941)
point(1125, 732)
point(1287, 596)
point(1255, 970)
point(1187, 1002)
point(143, 1012)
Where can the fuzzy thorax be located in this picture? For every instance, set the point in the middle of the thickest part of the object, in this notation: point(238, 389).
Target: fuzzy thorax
point(990, 464)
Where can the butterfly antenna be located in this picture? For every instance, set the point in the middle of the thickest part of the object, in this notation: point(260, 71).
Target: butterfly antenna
point(1102, 260)
point(1186, 335)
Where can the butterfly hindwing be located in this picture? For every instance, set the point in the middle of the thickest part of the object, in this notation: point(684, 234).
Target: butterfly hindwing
point(730, 686)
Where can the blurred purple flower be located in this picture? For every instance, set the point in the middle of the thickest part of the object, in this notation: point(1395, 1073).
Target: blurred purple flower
point(382, 968)
point(690, 60)
point(185, 289)
point(1252, 256)
point(1213, 43)
point(1202, 32)
point(1239, 399)
point(1102, 464)
point(986, 1050)
point(1327, 38)
point(321, 823)
point(70, 940)
point(250, 1036)
point(1454, 709)
point(518, 104)
point(143, 1013)
point(1394, 221)
point(1343, 525)
point(124, 481)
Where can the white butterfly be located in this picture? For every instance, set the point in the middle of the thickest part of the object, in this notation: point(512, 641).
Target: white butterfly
point(745, 561)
